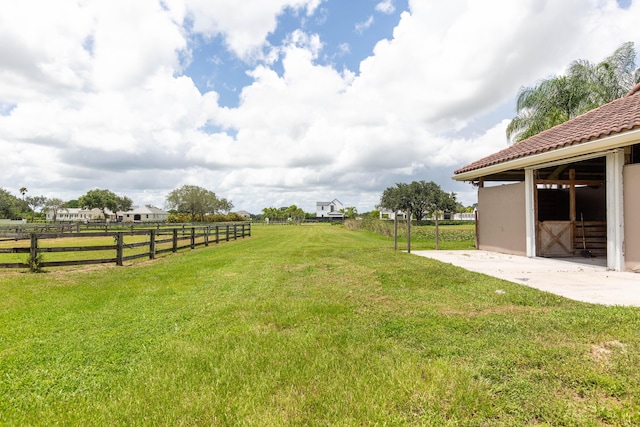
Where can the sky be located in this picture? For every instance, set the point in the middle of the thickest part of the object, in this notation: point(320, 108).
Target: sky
point(270, 103)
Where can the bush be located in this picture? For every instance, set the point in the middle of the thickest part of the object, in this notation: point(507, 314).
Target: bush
point(181, 218)
point(421, 231)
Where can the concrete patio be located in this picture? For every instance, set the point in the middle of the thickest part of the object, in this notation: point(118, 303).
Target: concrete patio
point(580, 279)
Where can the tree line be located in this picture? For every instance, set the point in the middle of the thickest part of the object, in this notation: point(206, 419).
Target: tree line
point(191, 200)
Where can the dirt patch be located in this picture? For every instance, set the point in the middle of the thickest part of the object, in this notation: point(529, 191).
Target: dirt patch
point(602, 353)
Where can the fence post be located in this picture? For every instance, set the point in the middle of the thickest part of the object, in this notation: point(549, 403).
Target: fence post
point(152, 244)
point(227, 237)
point(235, 232)
point(193, 237)
point(119, 246)
point(249, 230)
point(33, 252)
point(206, 235)
point(217, 233)
point(175, 240)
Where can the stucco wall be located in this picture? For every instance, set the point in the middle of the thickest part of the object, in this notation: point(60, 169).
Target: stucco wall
point(631, 181)
point(501, 219)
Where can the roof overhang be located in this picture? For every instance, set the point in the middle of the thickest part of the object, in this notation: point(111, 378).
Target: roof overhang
point(585, 148)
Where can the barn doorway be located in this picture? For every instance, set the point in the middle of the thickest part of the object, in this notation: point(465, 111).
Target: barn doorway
point(571, 209)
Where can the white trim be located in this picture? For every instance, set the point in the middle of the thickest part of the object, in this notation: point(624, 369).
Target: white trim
point(530, 212)
point(615, 211)
point(560, 154)
point(569, 160)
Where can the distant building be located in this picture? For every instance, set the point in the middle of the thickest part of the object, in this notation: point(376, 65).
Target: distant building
point(330, 209)
point(389, 214)
point(78, 215)
point(244, 214)
point(136, 214)
point(145, 213)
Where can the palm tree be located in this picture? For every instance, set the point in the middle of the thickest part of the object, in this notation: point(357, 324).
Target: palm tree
point(586, 86)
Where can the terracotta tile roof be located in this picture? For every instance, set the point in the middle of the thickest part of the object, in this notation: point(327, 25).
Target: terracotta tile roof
point(618, 116)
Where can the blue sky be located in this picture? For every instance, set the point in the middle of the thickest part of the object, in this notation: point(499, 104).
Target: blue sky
point(348, 30)
point(270, 103)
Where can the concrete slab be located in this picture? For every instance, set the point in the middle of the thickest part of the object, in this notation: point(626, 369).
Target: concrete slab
point(584, 279)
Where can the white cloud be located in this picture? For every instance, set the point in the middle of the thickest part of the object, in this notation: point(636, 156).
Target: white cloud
point(244, 25)
point(361, 27)
point(92, 95)
point(386, 6)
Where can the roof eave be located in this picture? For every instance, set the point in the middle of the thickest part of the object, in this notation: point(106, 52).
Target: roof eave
point(589, 147)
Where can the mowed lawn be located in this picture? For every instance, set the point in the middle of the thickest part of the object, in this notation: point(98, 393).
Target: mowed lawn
point(308, 325)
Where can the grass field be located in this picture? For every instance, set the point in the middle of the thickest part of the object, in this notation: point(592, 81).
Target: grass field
point(308, 325)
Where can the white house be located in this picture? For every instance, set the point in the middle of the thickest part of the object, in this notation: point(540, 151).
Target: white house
point(136, 214)
point(145, 213)
point(76, 215)
point(330, 209)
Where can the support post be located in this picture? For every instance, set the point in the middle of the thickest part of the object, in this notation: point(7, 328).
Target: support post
point(119, 247)
point(437, 233)
point(152, 244)
point(395, 231)
point(530, 214)
point(615, 211)
point(408, 231)
point(33, 252)
point(175, 239)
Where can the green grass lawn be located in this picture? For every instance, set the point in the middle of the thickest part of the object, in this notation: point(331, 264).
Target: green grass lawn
point(308, 325)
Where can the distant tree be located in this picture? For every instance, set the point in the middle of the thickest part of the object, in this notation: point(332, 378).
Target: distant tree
point(196, 201)
point(292, 212)
point(103, 200)
point(73, 204)
point(124, 204)
point(10, 205)
point(222, 205)
point(35, 202)
point(419, 198)
point(23, 191)
point(54, 205)
point(270, 212)
point(349, 212)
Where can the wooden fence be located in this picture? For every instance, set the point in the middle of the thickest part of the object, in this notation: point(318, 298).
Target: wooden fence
point(147, 242)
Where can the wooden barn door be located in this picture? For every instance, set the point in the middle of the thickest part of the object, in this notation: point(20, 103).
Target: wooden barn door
point(556, 238)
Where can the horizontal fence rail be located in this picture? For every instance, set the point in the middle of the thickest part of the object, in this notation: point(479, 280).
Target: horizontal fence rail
point(129, 243)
